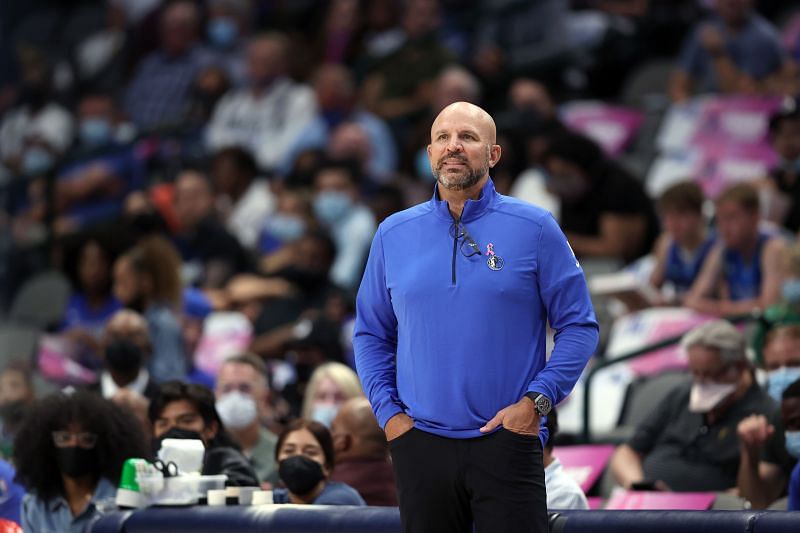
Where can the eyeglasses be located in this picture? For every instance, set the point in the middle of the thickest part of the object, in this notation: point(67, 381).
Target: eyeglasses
point(64, 439)
point(459, 232)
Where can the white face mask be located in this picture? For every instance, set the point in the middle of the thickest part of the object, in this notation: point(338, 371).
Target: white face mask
point(706, 396)
point(237, 409)
point(324, 413)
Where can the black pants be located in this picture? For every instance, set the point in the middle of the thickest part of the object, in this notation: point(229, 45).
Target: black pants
point(446, 485)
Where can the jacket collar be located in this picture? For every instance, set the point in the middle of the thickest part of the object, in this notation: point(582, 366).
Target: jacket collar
point(473, 209)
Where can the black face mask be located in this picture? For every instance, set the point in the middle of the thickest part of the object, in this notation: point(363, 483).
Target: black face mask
point(300, 474)
point(74, 461)
point(175, 433)
point(123, 357)
point(305, 279)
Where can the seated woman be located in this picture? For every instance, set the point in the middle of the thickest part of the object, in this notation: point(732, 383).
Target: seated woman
point(69, 454)
point(182, 411)
point(304, 454)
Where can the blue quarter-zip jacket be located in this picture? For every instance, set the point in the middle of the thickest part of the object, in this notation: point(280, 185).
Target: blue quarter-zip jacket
point(450, 341)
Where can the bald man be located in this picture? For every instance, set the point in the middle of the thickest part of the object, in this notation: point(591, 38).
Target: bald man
point(450, 339)
point(362, 457)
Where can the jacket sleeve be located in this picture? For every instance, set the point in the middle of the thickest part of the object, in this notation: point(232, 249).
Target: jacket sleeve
point(224, 460)
point(563, 290)
point(375, 337)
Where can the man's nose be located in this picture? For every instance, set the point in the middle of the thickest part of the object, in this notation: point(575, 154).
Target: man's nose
point(454, 146)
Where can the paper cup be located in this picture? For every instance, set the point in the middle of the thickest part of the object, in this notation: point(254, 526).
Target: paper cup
point(246, 495)
point(216, 497)
point(262, 497)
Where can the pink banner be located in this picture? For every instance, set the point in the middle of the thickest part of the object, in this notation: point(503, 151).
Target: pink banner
point(584, 463)
point(639, 500)
point(612, 127)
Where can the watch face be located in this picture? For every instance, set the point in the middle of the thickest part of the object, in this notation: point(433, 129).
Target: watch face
point(542, 404)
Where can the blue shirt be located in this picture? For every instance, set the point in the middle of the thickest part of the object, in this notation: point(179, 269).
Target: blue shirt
point(755, 49)
point(79, 315)
point(794, 489)
point(54, 516)
point(11, 494)
point(168, 360)
point(682, 271)
point(743, 278)
point(448, 340)
point(334, 493)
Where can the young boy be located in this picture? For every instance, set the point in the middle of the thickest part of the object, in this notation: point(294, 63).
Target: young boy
point(685, 243)
point(745, 269)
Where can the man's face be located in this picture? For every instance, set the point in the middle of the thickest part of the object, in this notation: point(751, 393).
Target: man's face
point(14, 388)
point(786, 139)
point(461, 150)
point(737, 227)
point(183, 415)
point(178, 28)
point(193, 199)
point(127, 287)
point(782, 351)
point(264, 61)
point(243, 378)
point(565, 179)
point(734, 12)
point(681, 225)
point(706, 366)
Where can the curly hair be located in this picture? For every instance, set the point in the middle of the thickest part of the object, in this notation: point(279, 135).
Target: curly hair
point(119, 437)
point(157, 259)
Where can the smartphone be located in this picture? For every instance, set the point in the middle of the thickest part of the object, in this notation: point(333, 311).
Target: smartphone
point(645, 484)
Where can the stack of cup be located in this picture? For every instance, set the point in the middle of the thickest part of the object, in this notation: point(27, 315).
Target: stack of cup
point(261, 497)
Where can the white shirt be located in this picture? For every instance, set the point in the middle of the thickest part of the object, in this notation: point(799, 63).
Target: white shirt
point(247, 216)
point(352, 237)
point(563, 492)
point(108, 388)
point(266, 125)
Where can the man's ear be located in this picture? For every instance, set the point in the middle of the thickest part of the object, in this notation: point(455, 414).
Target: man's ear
point(495, 151)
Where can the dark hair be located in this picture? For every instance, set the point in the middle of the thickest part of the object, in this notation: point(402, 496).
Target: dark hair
point(201, 398)
point(320, 432)
point(788, 111)
point(742, 194)
point(73, 250)
point(684, 197)
point(792, 391)
point(577, 149)
point(349, 166)
point(119, 437)
point(241, 158)
point(552, 428)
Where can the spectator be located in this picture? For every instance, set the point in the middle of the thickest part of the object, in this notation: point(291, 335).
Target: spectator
point(227, 29)
point(683, 247)
point(605, 211)
point(305, 460)
point(16, 396)
point(183, 411)
point(765, 466)
point(745, 270)
point(266, 116)
point(735, 51)
point(562, 490)
point(790, 409)
point(335, 91)
point(783, 183)
point(157, 94)
point(293, 217)
point(69, 454)
point(362, 455)
point(350, 223)
point(147, 280)
point(197, 306)
point(689, 443)
point(243, 402)
point(340, 39)
point(246, 202)
point(212, 255)
point(330, 386)
point(11, 493)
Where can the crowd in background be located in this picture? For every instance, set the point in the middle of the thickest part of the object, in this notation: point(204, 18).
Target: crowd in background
point(207, 176)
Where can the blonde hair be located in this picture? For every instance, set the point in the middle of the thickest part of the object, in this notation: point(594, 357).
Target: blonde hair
point(342, 375)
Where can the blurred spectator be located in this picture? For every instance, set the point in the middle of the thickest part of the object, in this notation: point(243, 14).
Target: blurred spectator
point(92, 302)
point(518, 38)
point(147, 280)
point(790, 410)
point(197, 306)
point(243, 402)
point(735, 51)
point(211, 254)
point(338, 207)
point(335, 91)
point(266, 116)
point(330, 386)
point(605, 211)
point(245, 201)
point(340, 40)
point(183, 411)
point(746, 269)
point(157, 95)
point(227, 29)
point(16, 396)
point(563, 492)
point(69, 455)
point(783, 183)
point(765, 465)
point(35, 117)
point(387, 200)
point(400, 84)
point(305, 459)
point(689, 443)
point(383, 33)
point(362, 455)
point(210, 85)
point(11, 493)
point(293, 218)
point(683, 247)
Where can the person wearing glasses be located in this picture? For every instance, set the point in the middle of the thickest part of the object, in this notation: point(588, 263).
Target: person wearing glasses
point(69, 454)
point(449, 339)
